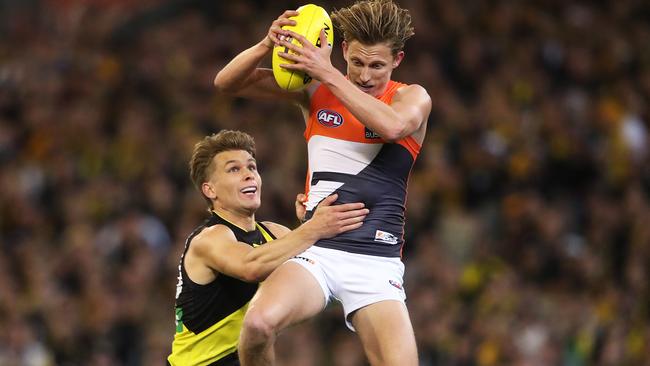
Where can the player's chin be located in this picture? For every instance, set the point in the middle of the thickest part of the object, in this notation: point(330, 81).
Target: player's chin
point(252, 203)
point(365, 89)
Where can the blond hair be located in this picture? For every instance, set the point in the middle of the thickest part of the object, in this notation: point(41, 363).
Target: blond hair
point(201, 166)
point(375, 21)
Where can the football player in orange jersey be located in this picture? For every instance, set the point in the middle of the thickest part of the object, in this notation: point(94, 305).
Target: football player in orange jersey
point(363, 132)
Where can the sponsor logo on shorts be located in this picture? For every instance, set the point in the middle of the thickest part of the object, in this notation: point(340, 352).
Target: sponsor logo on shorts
point(309, 260)
point(329, 118)
point(395, 284)
point(385, 237)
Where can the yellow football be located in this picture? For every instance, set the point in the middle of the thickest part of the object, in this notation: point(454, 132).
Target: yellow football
point(310, 20)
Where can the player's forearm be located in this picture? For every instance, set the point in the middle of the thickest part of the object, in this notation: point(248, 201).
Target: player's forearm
point(237, 74)
point(371, 112)
point(264, 259)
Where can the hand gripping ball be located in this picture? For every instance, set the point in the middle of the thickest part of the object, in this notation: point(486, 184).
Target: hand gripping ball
point(310, 20)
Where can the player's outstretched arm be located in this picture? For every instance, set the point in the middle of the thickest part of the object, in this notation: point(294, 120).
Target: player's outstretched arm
point(243, 77)
point(218, 248)
point(405, 116)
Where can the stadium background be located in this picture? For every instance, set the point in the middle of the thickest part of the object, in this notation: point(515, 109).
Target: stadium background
point(527, 234)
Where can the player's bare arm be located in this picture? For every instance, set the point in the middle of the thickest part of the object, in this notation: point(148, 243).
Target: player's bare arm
point(244, 77)
point(217, 249)
point(279, 231)
point(405, 116)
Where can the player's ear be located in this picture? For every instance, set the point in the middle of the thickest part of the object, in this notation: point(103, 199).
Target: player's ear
point(398, 59)
point(208, 191)
point(344, 47)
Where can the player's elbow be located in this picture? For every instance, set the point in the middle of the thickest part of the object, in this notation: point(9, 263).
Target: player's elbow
point(252, 277)
point(391, 138)
point(395, 133)
point(254, 272)
point(222, 85)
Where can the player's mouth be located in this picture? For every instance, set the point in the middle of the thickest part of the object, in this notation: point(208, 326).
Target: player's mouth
point(365, 87)
point(249, 191)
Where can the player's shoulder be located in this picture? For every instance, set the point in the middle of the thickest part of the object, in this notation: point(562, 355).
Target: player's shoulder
point(213, 235)
point(411, 89)
point(276, 229)
point(413, 93)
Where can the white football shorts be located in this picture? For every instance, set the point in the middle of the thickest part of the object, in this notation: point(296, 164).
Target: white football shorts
point(356, 280)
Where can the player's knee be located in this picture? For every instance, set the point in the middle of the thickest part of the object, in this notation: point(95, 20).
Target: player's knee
point(260, 324)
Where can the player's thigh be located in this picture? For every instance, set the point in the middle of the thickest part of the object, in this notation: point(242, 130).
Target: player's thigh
point(289, 295)
point(386, 333)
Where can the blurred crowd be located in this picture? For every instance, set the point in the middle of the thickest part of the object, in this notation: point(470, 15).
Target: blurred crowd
point(527, 236)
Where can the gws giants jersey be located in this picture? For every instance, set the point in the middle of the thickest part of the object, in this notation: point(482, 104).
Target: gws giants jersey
point(347, 158)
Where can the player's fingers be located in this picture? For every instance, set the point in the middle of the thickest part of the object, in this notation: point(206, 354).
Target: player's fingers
point(327, 201)
point(273, 38)
point(354, 213)
point(289, 56)
point(289, 13)
point(300, 201)
point(323, 38)
point(351, 227)
point(284, 21)
point(291, 67)
point(350, 206)
point(286, 42)
point(303, 41)
point(351, 221)
point(276, 33)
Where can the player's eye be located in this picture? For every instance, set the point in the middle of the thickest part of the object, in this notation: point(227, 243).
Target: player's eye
point(252, 167)
point(233, 169)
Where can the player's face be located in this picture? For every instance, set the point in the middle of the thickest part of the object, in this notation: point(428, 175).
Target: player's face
point(370, 66)
point(235, 182)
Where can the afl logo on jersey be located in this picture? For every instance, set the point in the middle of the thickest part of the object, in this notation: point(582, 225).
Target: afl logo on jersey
point(329, 118)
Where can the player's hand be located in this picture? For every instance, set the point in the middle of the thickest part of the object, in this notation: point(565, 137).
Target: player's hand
point(301, 210)
point(330, 220)
point(276, 33)
point(315, 61)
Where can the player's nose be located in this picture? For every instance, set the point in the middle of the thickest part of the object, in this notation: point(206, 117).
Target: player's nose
point(248, 174)
point(365, 75)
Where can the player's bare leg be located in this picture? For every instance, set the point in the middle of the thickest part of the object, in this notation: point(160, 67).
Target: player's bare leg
point(386, 334)
point(289, 295)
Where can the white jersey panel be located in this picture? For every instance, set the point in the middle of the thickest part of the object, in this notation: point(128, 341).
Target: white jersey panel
point(328, 154)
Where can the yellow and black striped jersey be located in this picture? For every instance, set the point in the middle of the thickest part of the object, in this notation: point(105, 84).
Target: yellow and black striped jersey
point(209, 317)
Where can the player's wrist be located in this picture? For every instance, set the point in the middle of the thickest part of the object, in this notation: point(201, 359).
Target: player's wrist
point(332, 77)
point(266, 42)
point(308, 231)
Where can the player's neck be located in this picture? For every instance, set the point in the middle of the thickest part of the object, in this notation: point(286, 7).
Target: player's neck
point(243, 220)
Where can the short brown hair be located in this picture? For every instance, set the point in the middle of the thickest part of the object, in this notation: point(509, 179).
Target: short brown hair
point(375, 21)
point(201, 166)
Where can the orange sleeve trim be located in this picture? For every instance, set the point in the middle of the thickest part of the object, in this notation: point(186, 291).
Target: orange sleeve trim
point(314, 100)
point(411, 145)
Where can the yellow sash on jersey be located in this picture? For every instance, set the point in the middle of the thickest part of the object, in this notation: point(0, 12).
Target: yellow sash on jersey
point(214, 343)
point(210, 345)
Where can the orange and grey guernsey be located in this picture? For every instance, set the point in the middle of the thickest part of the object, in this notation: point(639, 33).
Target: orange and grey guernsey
point(347, 158)
point(209, 317)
